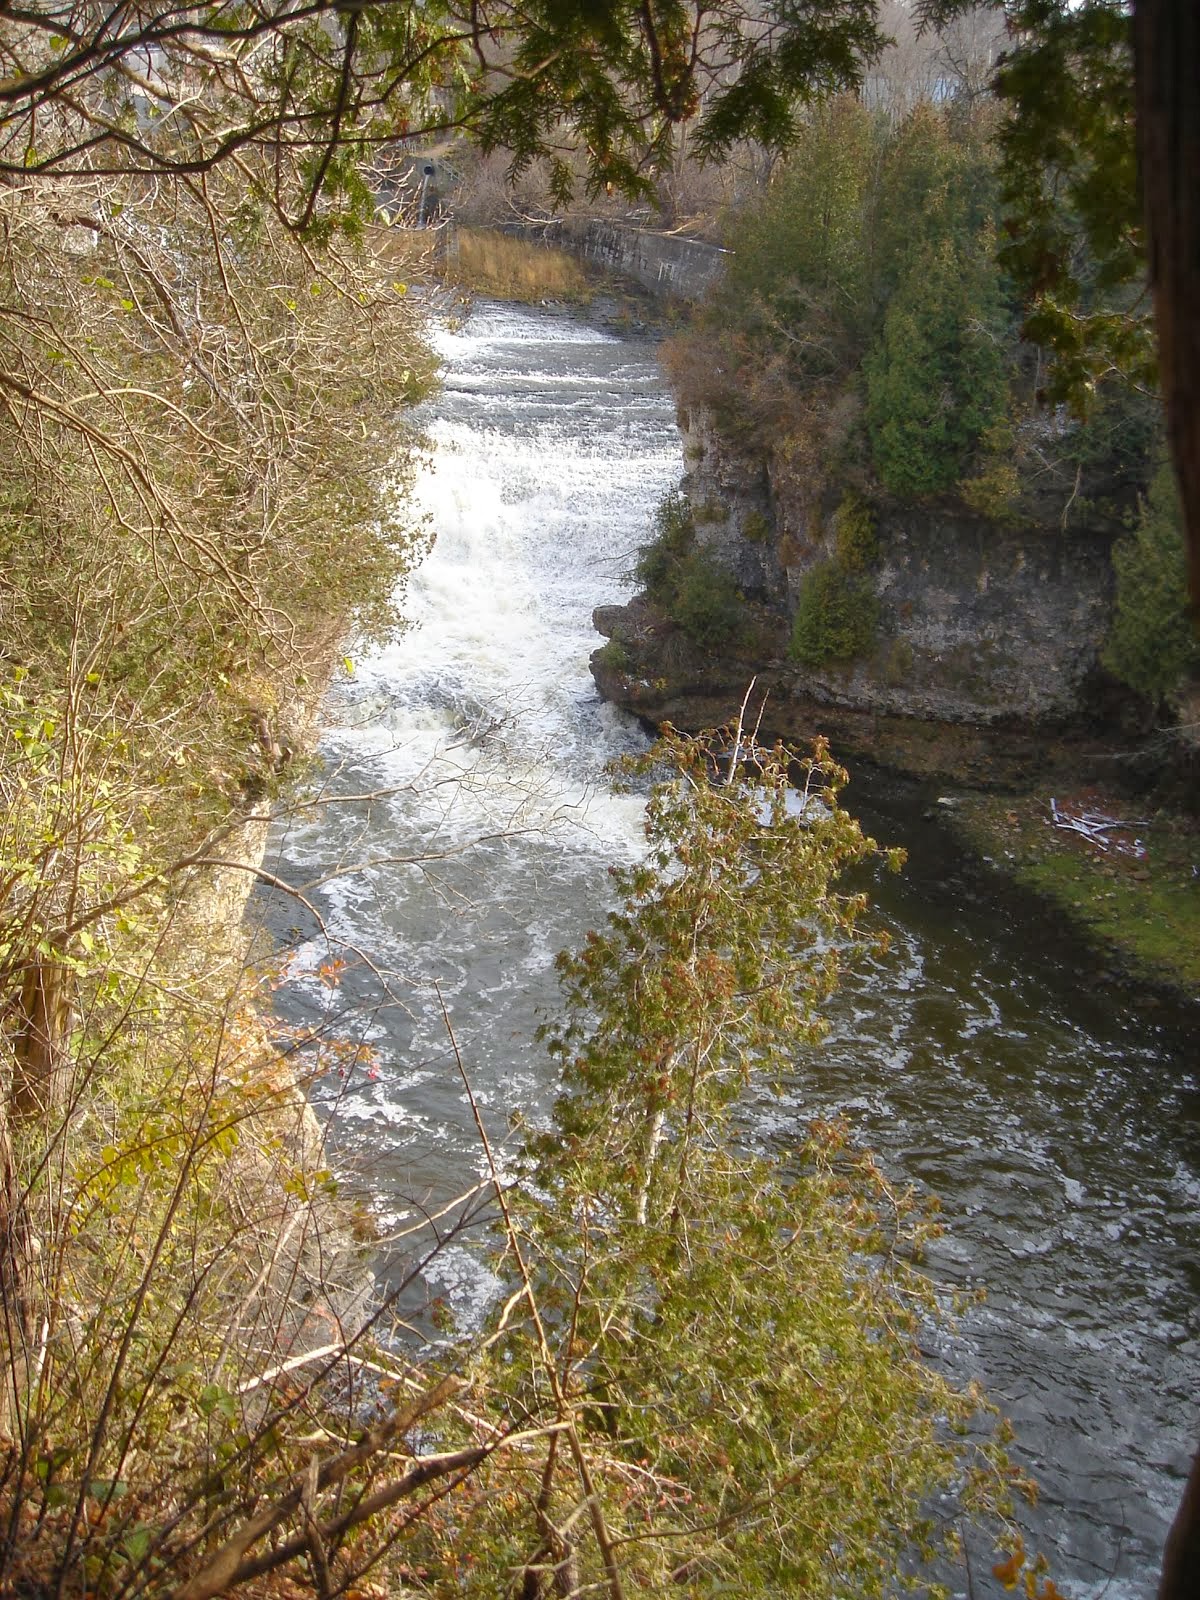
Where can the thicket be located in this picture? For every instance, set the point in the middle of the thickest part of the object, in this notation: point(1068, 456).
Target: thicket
point(202, 486)
point(866, 335)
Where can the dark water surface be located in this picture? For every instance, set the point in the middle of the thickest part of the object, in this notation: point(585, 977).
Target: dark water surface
point(1057, 1117)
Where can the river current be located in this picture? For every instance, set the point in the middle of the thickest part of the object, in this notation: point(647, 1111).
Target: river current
point(1057, 1118)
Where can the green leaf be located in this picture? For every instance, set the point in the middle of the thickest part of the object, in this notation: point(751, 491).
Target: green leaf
point(213, 1399)
point(136, 1545)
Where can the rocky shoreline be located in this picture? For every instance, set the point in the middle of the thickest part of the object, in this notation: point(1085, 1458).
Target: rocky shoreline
point(651, 669)
point(1140, 914)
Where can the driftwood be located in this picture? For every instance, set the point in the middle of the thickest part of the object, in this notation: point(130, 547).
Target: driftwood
point(1095, 825)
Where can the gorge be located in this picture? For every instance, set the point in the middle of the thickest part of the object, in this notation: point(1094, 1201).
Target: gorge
point(1057, 1119)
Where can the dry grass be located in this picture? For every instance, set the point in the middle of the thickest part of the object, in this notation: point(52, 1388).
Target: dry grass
point(412, 252)
point(513, 269)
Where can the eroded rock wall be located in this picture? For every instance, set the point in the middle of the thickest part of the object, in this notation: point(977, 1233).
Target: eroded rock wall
point(986, 648)
point(978, 622)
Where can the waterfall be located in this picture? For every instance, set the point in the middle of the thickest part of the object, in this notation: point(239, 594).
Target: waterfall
point(1057, 1120)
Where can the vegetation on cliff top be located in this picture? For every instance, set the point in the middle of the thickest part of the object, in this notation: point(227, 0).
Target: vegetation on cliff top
point(865, 335)
point(866, 338)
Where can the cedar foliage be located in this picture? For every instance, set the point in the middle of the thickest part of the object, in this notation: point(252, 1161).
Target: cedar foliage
point(731, 1337)
point(202, 481)
point(867, 267)
point(690, 586)
point(837, 612)
point(865, 333)
point(935, 378)
point(1153, 645)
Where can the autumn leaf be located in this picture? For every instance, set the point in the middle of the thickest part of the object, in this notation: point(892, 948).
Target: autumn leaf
point(1009, 1571)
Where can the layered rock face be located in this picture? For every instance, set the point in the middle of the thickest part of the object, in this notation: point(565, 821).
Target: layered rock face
point(985, 644)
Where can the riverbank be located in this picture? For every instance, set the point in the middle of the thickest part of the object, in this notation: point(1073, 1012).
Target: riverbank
point(172, 1238)
point(1133, 895)
point(1132, 891)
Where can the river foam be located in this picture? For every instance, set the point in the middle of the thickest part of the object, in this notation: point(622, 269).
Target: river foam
point(1060, 1129)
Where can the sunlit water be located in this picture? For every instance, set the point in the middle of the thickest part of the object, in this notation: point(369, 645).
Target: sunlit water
point(1058, 1120)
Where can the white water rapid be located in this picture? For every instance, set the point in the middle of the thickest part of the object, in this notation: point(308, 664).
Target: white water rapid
point(1059, 1121)
point(483, 737)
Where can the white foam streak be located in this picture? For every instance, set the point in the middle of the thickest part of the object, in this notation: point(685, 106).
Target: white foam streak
point(481, 742)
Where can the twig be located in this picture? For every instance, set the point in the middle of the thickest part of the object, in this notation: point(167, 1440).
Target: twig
point(565, 1411)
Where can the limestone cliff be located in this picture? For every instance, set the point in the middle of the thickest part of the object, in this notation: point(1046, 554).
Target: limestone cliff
point(985, 644)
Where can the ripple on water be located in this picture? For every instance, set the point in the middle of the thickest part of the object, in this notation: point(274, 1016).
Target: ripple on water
point(1060, 1130)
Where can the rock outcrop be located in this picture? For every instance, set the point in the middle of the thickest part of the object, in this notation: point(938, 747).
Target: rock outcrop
point(986, 639)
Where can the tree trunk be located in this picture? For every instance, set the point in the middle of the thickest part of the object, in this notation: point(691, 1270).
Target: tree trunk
point(1167, 70)
point(41, 1049)
point(15, 1320)
point(41, 1085)
point(1167, 67)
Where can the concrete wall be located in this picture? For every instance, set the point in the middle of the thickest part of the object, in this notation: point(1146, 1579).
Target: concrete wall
point(667, 264)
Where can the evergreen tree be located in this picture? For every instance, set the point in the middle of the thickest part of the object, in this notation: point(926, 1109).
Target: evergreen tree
point(937, 180)
point(730, 1341)
point(1153, 644)
point(800, 254)
point(936, 378)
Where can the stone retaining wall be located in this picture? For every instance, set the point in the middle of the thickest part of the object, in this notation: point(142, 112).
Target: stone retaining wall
point(669, 265)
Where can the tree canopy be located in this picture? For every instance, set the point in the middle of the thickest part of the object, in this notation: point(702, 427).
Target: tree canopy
point(1103, 110)
point(159, 88)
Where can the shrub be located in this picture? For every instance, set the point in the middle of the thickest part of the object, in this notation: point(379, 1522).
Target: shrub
point(613, 656)
point(936, 379)
point(708, 603)
point(836, 618)
point(899, 664)
point(709, 511)
point(179, 557)
point(1152, 645)
point(756, 528)
point(658, 559)
point(692, 589)
point(994, 491)
point(729, 1343)
point(856, 542)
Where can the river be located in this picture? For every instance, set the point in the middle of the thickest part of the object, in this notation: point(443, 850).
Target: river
point(1058, 1118)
